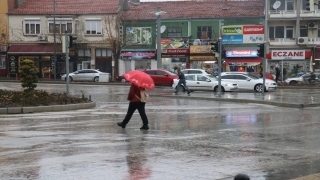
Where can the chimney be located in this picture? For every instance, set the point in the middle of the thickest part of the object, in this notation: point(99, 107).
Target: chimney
point(125, 5)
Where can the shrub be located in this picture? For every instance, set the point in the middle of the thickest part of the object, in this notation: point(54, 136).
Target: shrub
point(28, 75)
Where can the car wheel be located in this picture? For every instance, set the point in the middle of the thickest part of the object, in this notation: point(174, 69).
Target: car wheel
point(123, 80)
point(258, 88)
point(216, 89)
point(293, 82)
point(96, 79)
point(70, 79)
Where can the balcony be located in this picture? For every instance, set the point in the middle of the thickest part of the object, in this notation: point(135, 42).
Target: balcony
point(282, 14)
point(292, 41)
point(305, 13)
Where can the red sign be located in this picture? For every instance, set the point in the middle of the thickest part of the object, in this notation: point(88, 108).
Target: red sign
point(3, 48)
point(137, 55)
point(253, 29)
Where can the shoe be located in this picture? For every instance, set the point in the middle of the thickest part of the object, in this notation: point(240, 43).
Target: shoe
point(145, 127)
point(189, 93)
point(121, 124)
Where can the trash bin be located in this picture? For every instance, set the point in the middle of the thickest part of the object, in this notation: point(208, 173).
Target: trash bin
point(104, 77)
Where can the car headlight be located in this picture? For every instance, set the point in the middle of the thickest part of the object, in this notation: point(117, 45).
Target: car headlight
point(269, 83)
point(229, 84)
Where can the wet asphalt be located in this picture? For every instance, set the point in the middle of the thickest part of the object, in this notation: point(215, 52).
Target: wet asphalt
point(190, 137)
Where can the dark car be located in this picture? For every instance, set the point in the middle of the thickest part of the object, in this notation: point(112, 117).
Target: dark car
point(161, 77)
point(257, 74)
point(121, 79)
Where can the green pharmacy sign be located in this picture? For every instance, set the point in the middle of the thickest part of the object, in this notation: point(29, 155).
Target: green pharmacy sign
point(232, 30)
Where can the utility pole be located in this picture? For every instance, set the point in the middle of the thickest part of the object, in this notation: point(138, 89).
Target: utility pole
point(54, 41)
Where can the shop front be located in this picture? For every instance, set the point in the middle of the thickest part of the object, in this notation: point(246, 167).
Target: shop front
point(245, 60)
point(3, 55)
point(202, 57)
point(295, 61)
point(137, 60)
point(174, 53)
point(40, 54)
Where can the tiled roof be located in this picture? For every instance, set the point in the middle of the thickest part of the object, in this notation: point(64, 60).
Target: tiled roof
point(68, 7)
point(196, 9)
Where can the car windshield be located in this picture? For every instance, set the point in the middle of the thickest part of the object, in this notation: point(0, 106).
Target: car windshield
point(213, 78)
point(252, 76)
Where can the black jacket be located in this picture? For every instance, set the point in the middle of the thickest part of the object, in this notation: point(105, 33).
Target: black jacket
point(181, 75)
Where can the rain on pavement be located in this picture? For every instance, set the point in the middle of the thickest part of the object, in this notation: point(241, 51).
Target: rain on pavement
point(188, 139)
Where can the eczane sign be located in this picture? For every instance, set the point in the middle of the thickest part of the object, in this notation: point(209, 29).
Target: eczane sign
point(288, 54)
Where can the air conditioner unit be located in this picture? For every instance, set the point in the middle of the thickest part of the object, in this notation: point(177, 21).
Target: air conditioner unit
point(303, 40)
point(41, 37)
point(312, 25)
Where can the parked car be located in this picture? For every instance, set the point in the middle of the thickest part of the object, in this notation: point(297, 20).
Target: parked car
point(161, 77)
point(194, 71)
point(121, 79)
point(257, 74)
point(301, 78)
point(205, 82)
point(83, 75)
point(247, 81)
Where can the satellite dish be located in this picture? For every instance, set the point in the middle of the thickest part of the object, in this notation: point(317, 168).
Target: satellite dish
point(276, 5)
point(162, 28)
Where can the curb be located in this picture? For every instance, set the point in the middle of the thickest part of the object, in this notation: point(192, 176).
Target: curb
point(281, 104)
point(34, 109)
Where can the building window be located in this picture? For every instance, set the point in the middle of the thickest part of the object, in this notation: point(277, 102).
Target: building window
point(32, 26)
point(101, 52)
point(84, 53)
point(93, 26)
point(175, 32)
point(62, 25)
point(289, 31)
point(290, 5)
point(319, 32)
point(2, 62)
point(204, 32)
point(276, 32)
point(139, 35)
point(303, 31)
point(285, 5)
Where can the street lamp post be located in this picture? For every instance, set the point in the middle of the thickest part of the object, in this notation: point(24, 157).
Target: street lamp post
point(54, 40)
point(159, 60)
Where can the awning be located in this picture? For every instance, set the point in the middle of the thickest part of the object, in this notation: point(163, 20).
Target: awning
point(33, 49)
point(244, 60)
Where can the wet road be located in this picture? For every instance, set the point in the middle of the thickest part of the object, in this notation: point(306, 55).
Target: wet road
point(188, 139)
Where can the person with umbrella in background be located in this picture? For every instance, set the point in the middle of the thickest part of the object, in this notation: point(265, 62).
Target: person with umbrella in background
point(139, 82)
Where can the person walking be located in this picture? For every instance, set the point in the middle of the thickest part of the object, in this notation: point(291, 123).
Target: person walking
point(135, 103)
point(182, 80)
point(277, 73)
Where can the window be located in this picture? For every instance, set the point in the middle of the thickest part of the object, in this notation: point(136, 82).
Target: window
point(32, 26)
point(276, 32)
point(289, 31)
point(201, 78)
point(175, 32)
point(139, 35)
point(101, 52)
point(84, 52)
point(2, 62)
point(160, 73)
point(303, 31)
point(204, 32)
point(241, 77)
point(190, 78)
point(319, 32)
point(93, 26)
point(289, 5)
point(285, 5)
point(62, 25)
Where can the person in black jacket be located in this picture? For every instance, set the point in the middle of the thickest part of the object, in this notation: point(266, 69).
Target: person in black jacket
point(182, 80)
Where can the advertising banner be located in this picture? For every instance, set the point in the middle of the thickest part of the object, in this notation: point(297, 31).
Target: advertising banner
point(242, 53)
point(232, 39)
point(138, 55)
point(246, 34)
point(201, 49)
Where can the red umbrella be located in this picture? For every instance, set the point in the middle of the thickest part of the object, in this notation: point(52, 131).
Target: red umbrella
point(140, 79)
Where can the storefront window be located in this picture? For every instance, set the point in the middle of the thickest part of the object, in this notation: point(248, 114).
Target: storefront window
point(143, 64)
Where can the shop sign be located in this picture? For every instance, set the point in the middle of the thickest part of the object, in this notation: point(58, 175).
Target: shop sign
point(253, 30)
point(175, 51)
point(288, 54)
point(173, 55)
point(242, 53)
point(174, 43)
point(232, 29)
point(3, 48)
point(202, 58)
point(137, 55)
point(232, 39)
point(205, 49)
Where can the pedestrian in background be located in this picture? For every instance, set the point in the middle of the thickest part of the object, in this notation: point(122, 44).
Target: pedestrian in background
point(241, 177)
point(284, 73)
point(182, 80)
point(135, 103)
point(277, 73)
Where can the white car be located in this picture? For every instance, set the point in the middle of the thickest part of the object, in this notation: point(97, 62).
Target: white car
point(247, 81)
point(300, 78)
point(194, 71)
point(205, 82)
point(83, 75)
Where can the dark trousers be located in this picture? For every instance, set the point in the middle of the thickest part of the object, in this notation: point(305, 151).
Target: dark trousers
point(182, 82)
point(132, 107)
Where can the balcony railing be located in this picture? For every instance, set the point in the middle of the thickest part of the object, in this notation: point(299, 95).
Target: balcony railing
point(292, 41)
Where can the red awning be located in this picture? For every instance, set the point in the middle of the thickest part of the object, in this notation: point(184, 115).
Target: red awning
point(243, 60)
point(33, 49)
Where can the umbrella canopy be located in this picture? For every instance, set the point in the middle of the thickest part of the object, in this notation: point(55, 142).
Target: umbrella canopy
point(140, 79)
